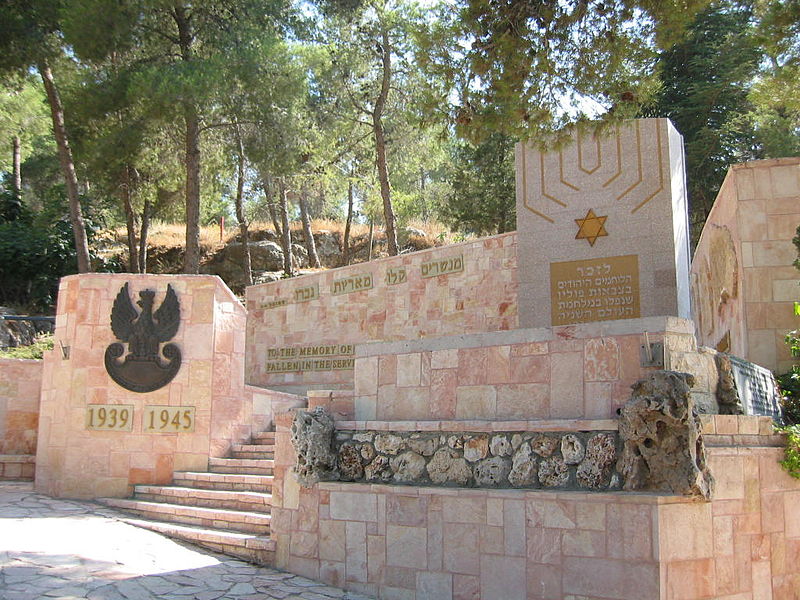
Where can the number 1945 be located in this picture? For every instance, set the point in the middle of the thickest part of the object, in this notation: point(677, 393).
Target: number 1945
point(162, 419)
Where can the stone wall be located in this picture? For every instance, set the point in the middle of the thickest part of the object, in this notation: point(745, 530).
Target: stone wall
point(568, 372)
point(472, 289)
point(503, 459)
point(743, 281)
point(416, 542)
point(20, 386)
point(74, 461)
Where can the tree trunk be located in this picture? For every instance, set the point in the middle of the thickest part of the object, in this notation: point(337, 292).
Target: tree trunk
point(143, 236)
point(311, 247)
point(273, 212)
point(67, 168)
point(191, 259)
point(130, 223)
point(380, 145)
point(286, 233)
point(371, 238)
point(347, 223)
point(17, 168)
point(240, 216)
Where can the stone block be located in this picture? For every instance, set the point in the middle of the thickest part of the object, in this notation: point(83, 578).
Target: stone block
point(503, 577)
point(406, 546)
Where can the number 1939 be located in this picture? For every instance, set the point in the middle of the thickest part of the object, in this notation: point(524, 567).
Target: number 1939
point(109, 417)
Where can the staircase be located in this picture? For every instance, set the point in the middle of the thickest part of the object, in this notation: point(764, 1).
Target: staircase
point(226, 509)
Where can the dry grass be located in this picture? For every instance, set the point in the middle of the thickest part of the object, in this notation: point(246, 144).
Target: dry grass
point(174, 234)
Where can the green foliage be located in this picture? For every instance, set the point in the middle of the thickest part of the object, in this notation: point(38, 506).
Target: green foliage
point(790, 382)
point(483, 199)
point(705, 81)
point(37, 249)
point(43, 343)
point(530, 68)
point(791, 460)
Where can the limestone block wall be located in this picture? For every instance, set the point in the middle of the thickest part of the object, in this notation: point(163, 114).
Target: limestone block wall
point(20, 384)
point(743, 281)
point(471, 288)
point(73, 461)
point(571, 372)
point(400, 541)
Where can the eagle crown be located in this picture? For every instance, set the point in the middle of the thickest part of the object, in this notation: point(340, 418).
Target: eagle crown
point(147, 297)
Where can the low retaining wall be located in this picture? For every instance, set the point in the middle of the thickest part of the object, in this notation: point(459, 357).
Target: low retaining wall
point(20, 386)
point(415, 542)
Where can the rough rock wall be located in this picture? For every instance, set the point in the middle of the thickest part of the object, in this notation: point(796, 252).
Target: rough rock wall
point(662, 444)
point(312, 434)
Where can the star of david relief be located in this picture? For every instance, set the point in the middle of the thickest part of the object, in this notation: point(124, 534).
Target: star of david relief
point(591, 227)
point(144, 368)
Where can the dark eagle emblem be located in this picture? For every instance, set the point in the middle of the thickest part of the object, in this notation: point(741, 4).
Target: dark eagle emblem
point(144, 369)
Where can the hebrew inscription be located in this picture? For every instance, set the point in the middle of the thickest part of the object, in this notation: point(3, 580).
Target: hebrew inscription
point(330, 357)
point(442, 266)
point(307, 293)
point(603, 289)
point(395, 275)
point(275, 303)
point(354, 283)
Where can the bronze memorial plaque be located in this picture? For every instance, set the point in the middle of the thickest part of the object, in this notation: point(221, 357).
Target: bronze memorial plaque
point(168, 419)
point(601, 289)
point(442, 266)
point(307, 293)
point(148, 365)
point(109, 417)
point(353, 283)
point(396, 275)
point(326, 357)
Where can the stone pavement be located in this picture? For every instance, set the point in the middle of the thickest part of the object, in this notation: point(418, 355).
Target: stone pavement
point(68, 550)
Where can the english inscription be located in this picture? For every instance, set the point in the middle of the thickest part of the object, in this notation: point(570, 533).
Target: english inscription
point(395, 275)
point(442, 266)
point(603, 289)
point(354, 283)
point(326, 357)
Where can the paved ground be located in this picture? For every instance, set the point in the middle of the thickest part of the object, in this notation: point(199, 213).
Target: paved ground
point(61, 549)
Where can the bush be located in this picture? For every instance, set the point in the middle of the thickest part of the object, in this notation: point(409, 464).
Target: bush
point(43, 343)
point(791, 460)
point(790, 382)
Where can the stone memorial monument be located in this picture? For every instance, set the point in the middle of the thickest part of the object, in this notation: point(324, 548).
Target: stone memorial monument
point(602, 227)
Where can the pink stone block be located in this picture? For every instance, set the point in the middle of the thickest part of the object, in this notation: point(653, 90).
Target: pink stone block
point(691, 579)
point(530, 369)
point(601, 357)
point(503, 577)
point(462, 541)
point(685, 531)
point(406, 546)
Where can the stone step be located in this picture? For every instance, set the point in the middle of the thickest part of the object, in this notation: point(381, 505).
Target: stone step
point(211, 518)
point(255, 548)
point(17, 467)
point(189, 496)
point(259, 454)
point(223, 481)
point(264, 437)
point(251, 466)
